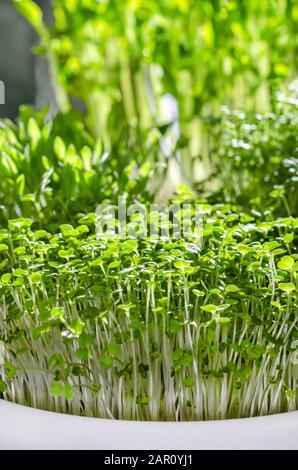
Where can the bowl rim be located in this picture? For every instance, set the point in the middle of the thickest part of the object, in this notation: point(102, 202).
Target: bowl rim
point(288, 415)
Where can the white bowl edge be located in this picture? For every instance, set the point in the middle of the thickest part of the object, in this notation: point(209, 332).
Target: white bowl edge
point(32, 429)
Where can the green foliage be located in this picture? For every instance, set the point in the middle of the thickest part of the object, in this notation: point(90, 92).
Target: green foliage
point(154, 329)
point(256, 157)
point(122, 57)
point(53, 171)
point(33, 14)
point(122, 339)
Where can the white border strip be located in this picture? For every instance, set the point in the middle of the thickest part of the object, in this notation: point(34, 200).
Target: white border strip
point(28, 428)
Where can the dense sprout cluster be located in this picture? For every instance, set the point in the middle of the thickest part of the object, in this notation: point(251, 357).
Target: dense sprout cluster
point(154, 327)
point(148, 329)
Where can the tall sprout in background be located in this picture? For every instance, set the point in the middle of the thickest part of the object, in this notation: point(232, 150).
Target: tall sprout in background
point(121, 58)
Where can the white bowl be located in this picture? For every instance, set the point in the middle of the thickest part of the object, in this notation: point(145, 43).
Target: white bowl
point(31, 429)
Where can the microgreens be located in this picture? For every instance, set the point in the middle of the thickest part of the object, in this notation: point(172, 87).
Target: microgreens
point(152, 330)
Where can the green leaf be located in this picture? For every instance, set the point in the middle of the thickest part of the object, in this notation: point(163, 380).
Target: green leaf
point(129, 246)
point(28, 198)
point(216, 292)
point(232, 288)
point(18, 282)
point(39, 234)
point(254, 266)
point(68, 391)
point(288, 238)
point(36, 278)
point(136, 325)
point(33, 132)
point(3, 247)
point(125, 307)
point(182, 357)
point(114, 349)
point(38, 332)
point(33, 14)
point(20, 251)
point(86, 339)
point(4, 263)
point(66, 253)
point(182, 265)
point(106, 362)
point(276, 304)
point(77, 326)
point(10, 370)
point(199, 293)
point(286, 263)
point(57, 312)
point(19, 272)
point(209, 308)
point(67, 230)
point(3, 386)
point(278, 251)
point(223, 320)
point(59, 148)
point(6, 278)
point(290, 394)
point(20, 223)
point(114, 264)
point(56, 388)
point(286, 287)
point(83, 354)
point(56, 361)
point(244, 249)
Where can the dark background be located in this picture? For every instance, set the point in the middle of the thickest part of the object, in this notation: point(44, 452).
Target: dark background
point(24, 74)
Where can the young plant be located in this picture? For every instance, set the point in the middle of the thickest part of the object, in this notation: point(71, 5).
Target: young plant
point(149, 329)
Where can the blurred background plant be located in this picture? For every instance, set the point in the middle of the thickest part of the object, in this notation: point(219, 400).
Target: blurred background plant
point(123, 59)
point(255, 157)
point(52, 171)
